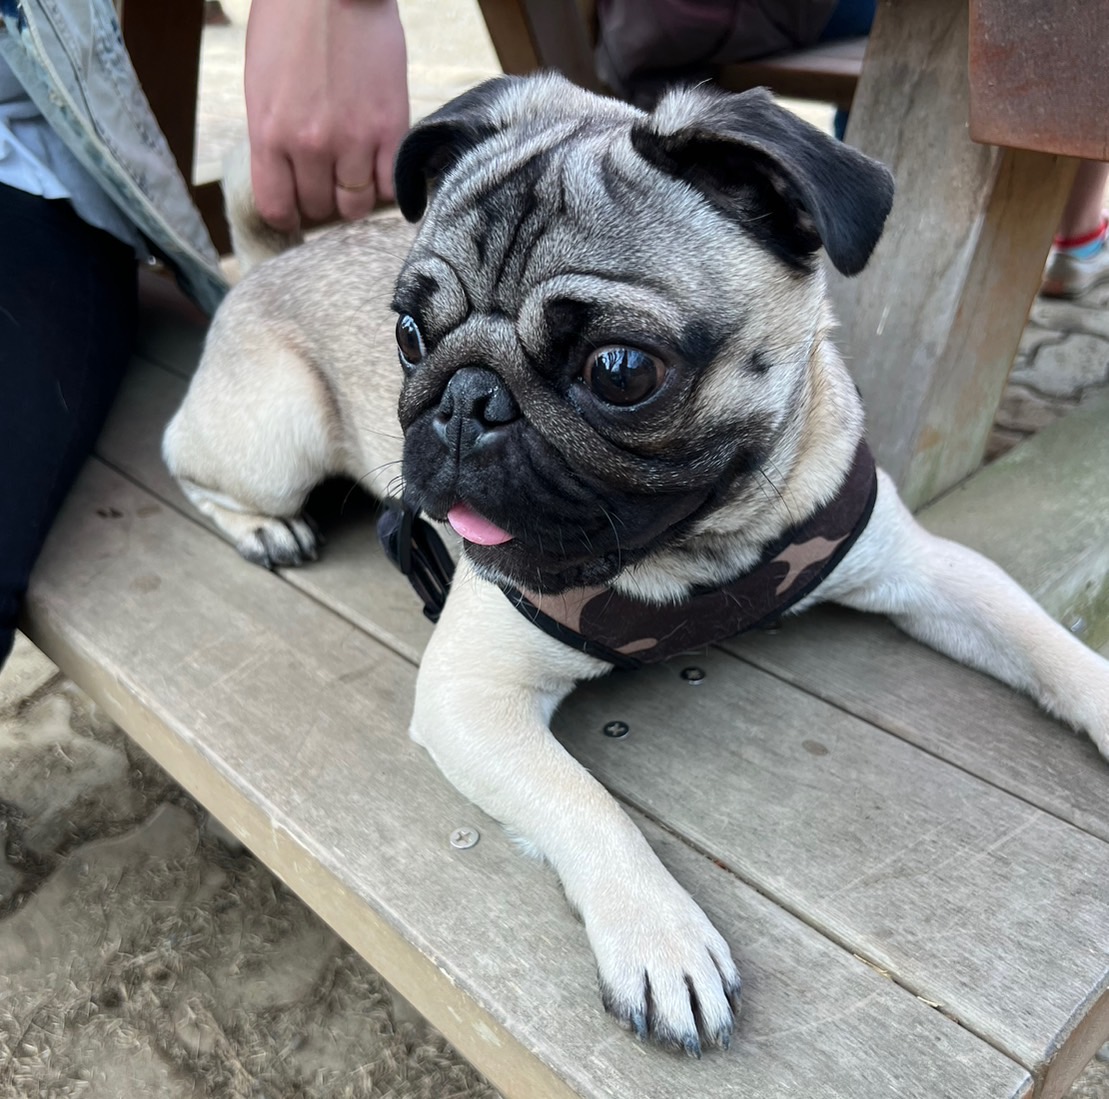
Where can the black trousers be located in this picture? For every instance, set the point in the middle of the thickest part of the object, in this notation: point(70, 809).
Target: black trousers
point(68, 297)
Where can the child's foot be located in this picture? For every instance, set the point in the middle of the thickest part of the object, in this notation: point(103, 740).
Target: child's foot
point(1076, 264)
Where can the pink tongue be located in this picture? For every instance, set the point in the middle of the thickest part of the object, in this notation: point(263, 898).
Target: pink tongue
point(476, 528)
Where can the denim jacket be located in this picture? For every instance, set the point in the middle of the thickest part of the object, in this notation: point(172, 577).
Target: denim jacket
point(69, 56)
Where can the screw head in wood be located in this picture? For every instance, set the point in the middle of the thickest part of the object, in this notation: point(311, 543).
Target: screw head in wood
point(693, 675)
point(616, 729)
point(464, 838)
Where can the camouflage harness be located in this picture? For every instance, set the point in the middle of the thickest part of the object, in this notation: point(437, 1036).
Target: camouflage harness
point(630, 633)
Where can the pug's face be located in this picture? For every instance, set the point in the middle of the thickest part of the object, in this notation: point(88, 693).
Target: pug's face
point(606, 315)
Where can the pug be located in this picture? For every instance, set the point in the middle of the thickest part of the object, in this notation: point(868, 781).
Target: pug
point(612, 355)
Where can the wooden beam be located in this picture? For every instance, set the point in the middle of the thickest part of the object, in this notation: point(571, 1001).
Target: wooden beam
point(1037, 75)
point(931, 326)
point(529, 35)
point(828, 72)
point(209, 201)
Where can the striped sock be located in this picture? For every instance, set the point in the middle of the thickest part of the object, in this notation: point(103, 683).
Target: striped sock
point(1087, 245)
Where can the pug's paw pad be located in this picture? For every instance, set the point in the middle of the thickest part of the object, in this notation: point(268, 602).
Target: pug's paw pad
point(668, 976)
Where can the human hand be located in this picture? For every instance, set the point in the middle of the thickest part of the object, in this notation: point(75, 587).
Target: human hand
point(327, 105)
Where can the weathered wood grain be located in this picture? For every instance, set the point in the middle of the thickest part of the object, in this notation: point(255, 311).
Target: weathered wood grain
point(968, 896)
point(352, 576)
point(1035, 75)
point(868, 667)
point(170, 330)
point(288, 722)
point(1042, 513)
point(931, 326)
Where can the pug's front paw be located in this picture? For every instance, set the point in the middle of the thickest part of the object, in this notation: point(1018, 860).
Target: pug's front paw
point(665, 972)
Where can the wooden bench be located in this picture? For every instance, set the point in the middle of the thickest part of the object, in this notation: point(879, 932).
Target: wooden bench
point(908, 859)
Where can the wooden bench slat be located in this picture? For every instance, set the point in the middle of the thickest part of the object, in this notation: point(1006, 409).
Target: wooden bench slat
point(352, 575)
point(1041, 512)
point(288, 723)
point(968, 896)
point(829, 71)
point(170, 329)
point(905, 930)
point(870, 668)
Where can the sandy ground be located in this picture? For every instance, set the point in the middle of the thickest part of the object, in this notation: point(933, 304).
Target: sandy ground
point(140, 953)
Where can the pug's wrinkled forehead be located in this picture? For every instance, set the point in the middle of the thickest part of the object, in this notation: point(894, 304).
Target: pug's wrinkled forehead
point(743, 154)
point(557, 222)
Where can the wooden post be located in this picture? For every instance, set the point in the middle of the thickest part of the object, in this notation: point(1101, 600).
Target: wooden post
point(163, 40)
point(542, 34)
point(931, 327)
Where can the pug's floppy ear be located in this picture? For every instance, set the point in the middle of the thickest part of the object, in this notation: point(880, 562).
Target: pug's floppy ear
point(794, 186)
point(436, 143)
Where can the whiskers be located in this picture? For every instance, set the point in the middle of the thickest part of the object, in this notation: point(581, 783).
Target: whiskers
point(765, 482)
point(395, 486)
point(615, 534)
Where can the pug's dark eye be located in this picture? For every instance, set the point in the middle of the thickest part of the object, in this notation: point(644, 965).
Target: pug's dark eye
point(409, 340)
point(623, 375)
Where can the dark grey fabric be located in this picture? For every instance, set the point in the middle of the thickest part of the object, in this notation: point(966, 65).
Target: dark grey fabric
point(643, 42)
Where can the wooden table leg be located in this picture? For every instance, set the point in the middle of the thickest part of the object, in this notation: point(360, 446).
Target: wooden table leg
point(163, 41)
point(931, 327)
point(541, 34)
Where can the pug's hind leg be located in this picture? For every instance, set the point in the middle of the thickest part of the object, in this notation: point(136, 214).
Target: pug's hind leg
point(255, 434)
point(962, 604)
point(266, 540)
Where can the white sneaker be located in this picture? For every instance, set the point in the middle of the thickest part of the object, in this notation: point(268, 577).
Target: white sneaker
point(1070, 272)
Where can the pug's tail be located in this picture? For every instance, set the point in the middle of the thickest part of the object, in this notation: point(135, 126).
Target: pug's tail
point(252, 239)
